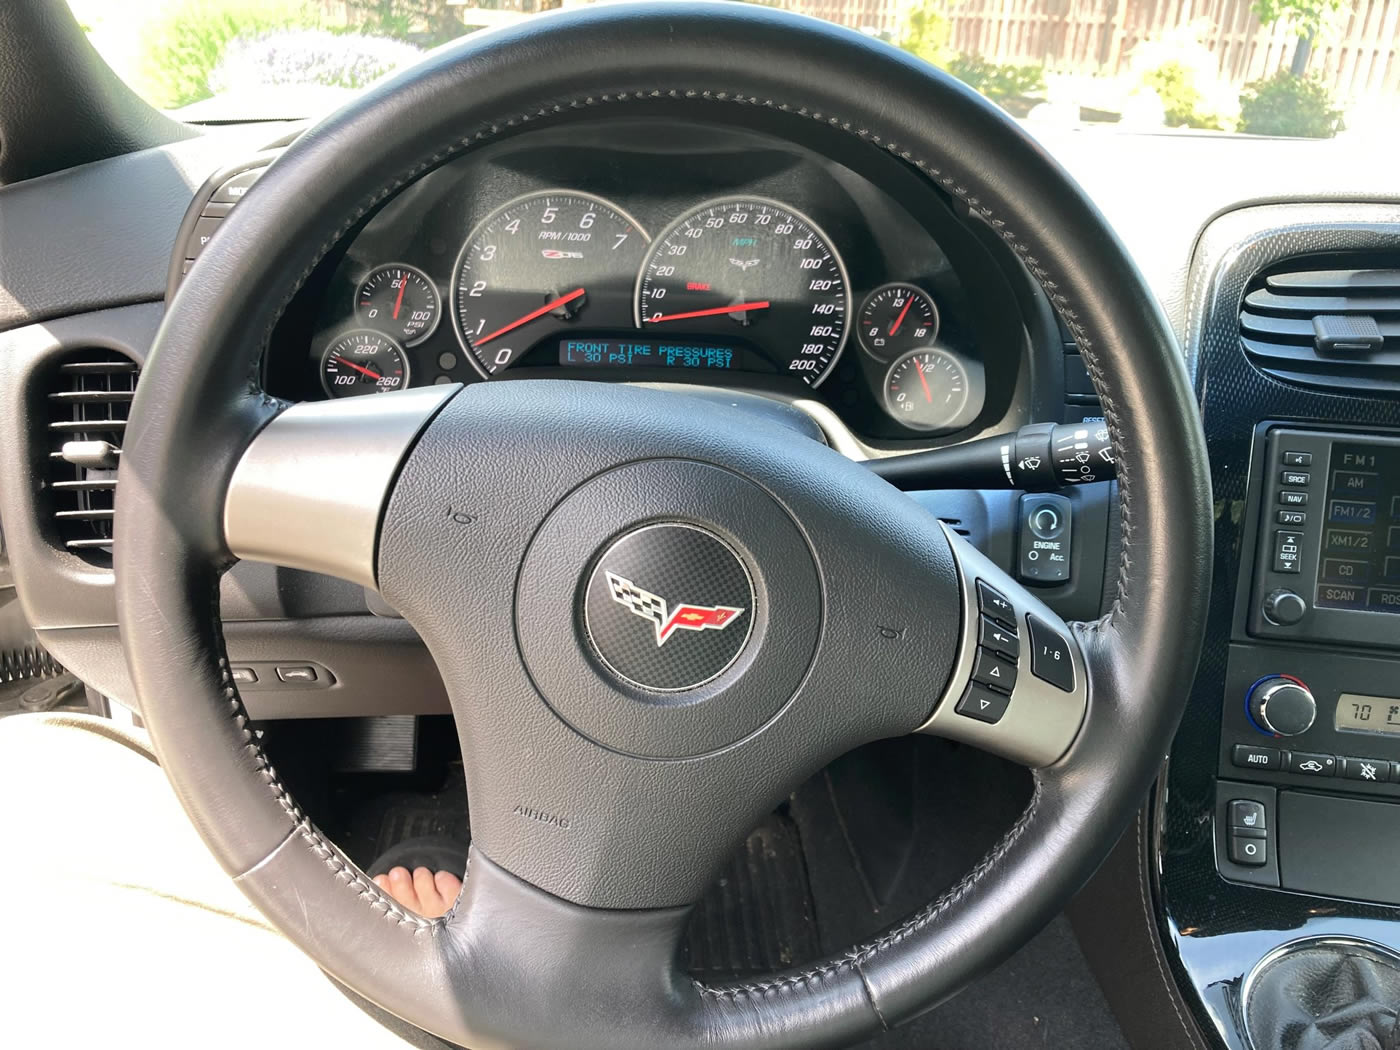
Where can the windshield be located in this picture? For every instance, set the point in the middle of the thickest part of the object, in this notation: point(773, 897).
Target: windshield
point(1311, 68)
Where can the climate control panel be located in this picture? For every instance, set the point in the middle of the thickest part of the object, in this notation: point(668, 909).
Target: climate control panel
point(1312, 717)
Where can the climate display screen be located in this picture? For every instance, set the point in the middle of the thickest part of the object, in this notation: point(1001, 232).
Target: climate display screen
point(1368, 714)
point(1359, 567)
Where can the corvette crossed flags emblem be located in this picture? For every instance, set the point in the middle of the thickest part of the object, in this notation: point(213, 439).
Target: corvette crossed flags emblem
point(653, 607)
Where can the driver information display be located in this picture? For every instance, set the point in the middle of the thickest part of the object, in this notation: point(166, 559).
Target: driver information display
point(1360, 563)
point(658, 353)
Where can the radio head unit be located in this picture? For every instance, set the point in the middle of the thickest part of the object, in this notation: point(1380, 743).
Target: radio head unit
point(1327, 562)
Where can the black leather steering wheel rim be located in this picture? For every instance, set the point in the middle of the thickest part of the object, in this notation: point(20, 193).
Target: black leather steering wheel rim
point(200, 405)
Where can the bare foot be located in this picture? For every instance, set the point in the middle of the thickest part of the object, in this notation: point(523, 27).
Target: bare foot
point(429, 894)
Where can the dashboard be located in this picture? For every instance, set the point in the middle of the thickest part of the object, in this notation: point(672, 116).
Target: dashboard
point(664, 251)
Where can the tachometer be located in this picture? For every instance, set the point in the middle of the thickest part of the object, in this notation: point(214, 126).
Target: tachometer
point(540, 265)
point(753, 268)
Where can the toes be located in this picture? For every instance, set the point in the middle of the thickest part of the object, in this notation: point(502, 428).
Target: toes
point(430, 901)
point(401, 888)
point(448, 886)
point(382, 882)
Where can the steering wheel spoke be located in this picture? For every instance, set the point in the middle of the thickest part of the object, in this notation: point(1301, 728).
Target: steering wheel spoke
point(1020, 686)
point(310, 489)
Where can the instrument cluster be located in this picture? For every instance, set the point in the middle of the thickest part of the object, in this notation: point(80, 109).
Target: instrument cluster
point(747, 263)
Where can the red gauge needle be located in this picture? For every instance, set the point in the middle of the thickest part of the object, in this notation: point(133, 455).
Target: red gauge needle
point(928, 394)
point(893, 328)
point(359, 368)
point(737, 309)
point(404, 284)
point(546, 308)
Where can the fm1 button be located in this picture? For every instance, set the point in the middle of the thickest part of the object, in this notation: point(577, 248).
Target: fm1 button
point(983, 704)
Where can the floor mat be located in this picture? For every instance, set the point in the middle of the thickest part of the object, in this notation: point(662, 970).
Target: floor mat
point(757, 917)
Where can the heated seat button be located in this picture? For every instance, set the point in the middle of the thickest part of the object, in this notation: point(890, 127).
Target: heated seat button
point(994, 636)
point(1246, 813)
point(1050, 656)
point(983, 704)
point(994, 671)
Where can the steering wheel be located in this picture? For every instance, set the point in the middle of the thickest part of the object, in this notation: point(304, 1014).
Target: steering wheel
point(655, 617)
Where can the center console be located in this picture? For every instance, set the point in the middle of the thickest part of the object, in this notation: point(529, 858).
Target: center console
point(1274, 853)
point(1310, 730)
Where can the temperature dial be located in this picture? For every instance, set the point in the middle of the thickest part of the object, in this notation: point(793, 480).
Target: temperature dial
point(897, 318)
point(1281, 705)
point(400, 301)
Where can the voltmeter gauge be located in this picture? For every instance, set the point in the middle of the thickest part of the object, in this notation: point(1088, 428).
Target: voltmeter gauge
point(896, 318)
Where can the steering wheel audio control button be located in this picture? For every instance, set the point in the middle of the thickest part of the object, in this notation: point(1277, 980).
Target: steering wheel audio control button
point(983, 704)
point(1050, 656)
point(993, 603)
point(992, 635)
point(993, 671)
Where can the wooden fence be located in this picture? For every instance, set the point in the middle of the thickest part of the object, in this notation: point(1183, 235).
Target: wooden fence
point(1360, 56)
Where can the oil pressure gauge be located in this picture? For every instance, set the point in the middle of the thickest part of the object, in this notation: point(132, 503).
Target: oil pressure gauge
point(400, 301)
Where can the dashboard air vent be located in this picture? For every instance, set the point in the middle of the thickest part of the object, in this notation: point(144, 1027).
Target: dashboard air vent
point(1326, 324)
point(88, 405)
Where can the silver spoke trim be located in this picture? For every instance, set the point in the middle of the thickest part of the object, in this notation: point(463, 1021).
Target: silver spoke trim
point(310, 490)
point(1041, 720)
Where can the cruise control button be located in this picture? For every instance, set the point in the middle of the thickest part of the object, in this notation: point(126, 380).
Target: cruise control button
point(983, 704)
point(995, 604)
point(1311, 765)
point(1050, 655)
point(994, 636)
point(1248, 757)
point(992, 670)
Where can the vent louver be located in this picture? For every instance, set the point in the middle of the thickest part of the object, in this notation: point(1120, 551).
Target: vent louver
point(88, 406)
point(1328, 325)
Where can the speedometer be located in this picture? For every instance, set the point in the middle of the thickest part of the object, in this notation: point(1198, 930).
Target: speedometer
point(754, 269)
point(541, 265)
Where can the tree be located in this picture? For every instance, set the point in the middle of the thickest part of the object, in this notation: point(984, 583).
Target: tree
point(423, 22)
point(1307, 17)
point(926, 32)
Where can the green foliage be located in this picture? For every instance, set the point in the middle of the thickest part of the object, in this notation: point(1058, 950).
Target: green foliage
point(426, 23)
point(925, 32)
point(181, 47)
point(1307, 17)
point(1182, 101)
point(1284, 104)
point(1000, 82)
